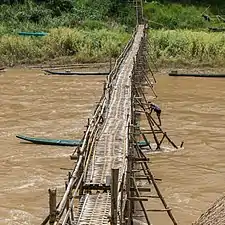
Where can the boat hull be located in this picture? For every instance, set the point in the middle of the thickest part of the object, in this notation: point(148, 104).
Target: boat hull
point(74, 73)
point(176, 74)
point(45, 141)
point(36, 34)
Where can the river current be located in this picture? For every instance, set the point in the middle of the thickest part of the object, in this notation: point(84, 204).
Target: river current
point(38, 105)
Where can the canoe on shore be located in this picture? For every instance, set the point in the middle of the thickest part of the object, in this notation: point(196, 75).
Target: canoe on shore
point(217, 29)
point(176, 74)
point(36, 34)
point(74, 73)
point(45, 141)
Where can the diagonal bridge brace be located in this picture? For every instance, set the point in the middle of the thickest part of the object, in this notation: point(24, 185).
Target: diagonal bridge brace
point(137, 192)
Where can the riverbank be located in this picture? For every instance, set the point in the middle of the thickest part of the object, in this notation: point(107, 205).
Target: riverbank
point(187, 48)
point(66, 46)
point(79, 32)
point(63, 45)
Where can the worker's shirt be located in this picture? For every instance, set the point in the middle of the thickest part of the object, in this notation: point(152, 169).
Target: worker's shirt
point(156, 108)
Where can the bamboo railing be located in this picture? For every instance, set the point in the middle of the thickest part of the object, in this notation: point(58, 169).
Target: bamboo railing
point(119, 198)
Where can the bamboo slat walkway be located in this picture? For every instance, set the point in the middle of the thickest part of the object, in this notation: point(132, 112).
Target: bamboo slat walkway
point(110, 163)
point(110, 150)
point(105, 184)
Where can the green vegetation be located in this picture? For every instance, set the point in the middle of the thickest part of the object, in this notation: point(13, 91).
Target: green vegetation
point(177, 16)
point(81, 30)
point(44, 15)
point(87, 30)
point(79, 45)
point(187, 47)
point(180, 35)
point(174, 16)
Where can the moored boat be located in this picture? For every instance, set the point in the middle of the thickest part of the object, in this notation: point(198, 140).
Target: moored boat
point(176, 74)
point(36, 34)
point(46, 141)
point(217, 29)
point(74, 73)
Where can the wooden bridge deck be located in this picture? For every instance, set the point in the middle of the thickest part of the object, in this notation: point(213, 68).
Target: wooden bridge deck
point(106, 175)
point(110, 150)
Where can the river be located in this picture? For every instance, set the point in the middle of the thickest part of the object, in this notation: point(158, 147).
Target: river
point(39, 105)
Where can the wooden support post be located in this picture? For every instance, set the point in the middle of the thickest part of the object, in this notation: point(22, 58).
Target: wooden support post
point(70, 196)
point(121, 201)
point(141, 203)
point(146, 140)
point(157, 190)
point(104, 88)
point(170, 141)
point(151, 69)
point(138, 199)
point(114, 196)
point(182, 143)
point(150, 119)
point(151, 58)
point(162, 139)
point(52, 206)
point(67, 201)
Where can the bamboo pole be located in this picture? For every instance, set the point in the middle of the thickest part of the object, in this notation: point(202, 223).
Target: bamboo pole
point(151, 57)
point(138, 150)
point(72, 201)
point(158, 191)
point(52, 206)
point(76, 178)
point(141, 203)
point(149, 83)
point(114, 196)
point(146, 140)
point(80, 159)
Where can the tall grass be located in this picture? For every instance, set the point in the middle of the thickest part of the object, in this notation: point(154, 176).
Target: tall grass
point(177, 16)
point(187, 47)
point(80, 45)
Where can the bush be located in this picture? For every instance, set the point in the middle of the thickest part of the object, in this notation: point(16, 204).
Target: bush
point(187, 47)
point(81, 45)
point(174, 16)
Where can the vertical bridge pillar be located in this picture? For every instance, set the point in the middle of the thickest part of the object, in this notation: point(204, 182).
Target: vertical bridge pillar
point(114, 195)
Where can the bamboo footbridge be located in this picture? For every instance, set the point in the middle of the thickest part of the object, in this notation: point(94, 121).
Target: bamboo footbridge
point(111, 179)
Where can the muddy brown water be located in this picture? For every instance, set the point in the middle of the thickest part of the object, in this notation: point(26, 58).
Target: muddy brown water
point(38, 105)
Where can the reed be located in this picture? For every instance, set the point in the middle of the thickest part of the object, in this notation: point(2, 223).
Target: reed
point(176, 16)
point(187, 47)
point(80, 45)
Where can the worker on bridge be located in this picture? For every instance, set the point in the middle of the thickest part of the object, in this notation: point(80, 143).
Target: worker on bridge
point(157, 110)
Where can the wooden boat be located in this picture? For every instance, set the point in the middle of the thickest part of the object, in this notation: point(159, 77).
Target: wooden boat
point(74, 73)
point(176, 74)
point(217, 29)
point(45, 141)
point(36, 34)
point(142, 144)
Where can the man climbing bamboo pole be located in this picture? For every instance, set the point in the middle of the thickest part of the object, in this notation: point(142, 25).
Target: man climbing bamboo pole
point(157, 110)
